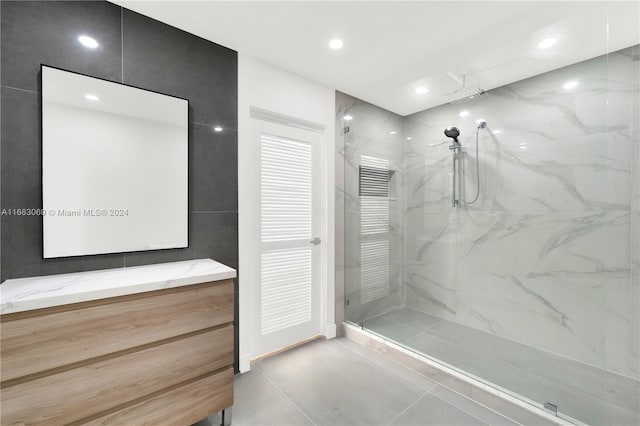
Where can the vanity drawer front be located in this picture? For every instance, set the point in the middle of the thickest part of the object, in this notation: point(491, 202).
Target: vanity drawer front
point(54, 337)
point(185, 405)
point(89, 390)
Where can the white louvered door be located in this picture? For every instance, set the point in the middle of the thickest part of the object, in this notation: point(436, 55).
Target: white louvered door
point(289, 296)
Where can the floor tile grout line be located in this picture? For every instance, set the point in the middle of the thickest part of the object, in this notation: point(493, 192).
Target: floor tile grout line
point(473, 401)
point(477, 402)
point(409, 370)
point(268, 379)
point(461, 409)
point(420, 398)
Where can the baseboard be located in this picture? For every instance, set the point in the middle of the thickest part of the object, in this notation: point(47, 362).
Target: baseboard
point(331, 331)
point(244, 363)
point(288, 347)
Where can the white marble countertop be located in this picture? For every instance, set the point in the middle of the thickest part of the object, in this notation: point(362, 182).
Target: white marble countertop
point(25, 294)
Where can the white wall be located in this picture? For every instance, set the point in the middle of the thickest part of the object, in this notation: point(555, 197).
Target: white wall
point(269, 88)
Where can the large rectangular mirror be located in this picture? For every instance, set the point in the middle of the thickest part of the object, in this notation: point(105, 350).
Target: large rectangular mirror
point(114, 167)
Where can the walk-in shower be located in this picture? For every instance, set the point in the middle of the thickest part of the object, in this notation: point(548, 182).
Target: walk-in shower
point(530, 283)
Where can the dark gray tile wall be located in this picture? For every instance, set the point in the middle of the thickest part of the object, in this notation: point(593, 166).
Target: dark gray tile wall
point(156, 55)
point(135, 50)
point(213, 173)
point(46, 32)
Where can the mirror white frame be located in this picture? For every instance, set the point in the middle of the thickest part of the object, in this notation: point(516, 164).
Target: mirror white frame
point(114, 167)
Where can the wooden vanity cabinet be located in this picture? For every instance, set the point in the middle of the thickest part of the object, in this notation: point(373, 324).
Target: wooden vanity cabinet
point(162, 357)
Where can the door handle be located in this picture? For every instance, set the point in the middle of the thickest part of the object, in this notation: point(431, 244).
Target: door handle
point(315, 241)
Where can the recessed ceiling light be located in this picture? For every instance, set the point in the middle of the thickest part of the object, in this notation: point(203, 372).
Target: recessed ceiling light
point(393, 132)
point(409, 138)
point(87, 41)
point(91, 97)
point(463, 113)
point(570, 85)
point(495, 132)
point(421, 90)
point(348, 117)
point(336, 43)
point(547, 43)
point(218, 128)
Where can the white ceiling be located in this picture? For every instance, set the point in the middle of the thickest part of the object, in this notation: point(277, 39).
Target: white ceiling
point(391, 47)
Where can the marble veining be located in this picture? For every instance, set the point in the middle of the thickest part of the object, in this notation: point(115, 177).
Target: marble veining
point(26, 294)
point(544, 257)
point(541, 274)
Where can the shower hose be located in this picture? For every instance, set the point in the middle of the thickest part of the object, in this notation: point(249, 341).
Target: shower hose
point(464, 196)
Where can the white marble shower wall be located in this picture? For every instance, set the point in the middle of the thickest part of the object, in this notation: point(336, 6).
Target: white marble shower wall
point(372, 132)
point(549, 255)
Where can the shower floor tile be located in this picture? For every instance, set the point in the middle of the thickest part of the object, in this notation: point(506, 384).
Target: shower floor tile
point(412, 318)
point(600, 383)
point(589, 394)
point(391, 328)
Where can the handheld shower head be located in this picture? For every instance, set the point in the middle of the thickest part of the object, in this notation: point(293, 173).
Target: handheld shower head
point(453, 133)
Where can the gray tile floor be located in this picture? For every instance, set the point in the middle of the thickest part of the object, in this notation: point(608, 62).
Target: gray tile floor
point(338, 382)
point(589, 394)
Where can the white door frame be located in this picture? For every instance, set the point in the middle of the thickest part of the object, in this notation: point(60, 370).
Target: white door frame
point(249, 223)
